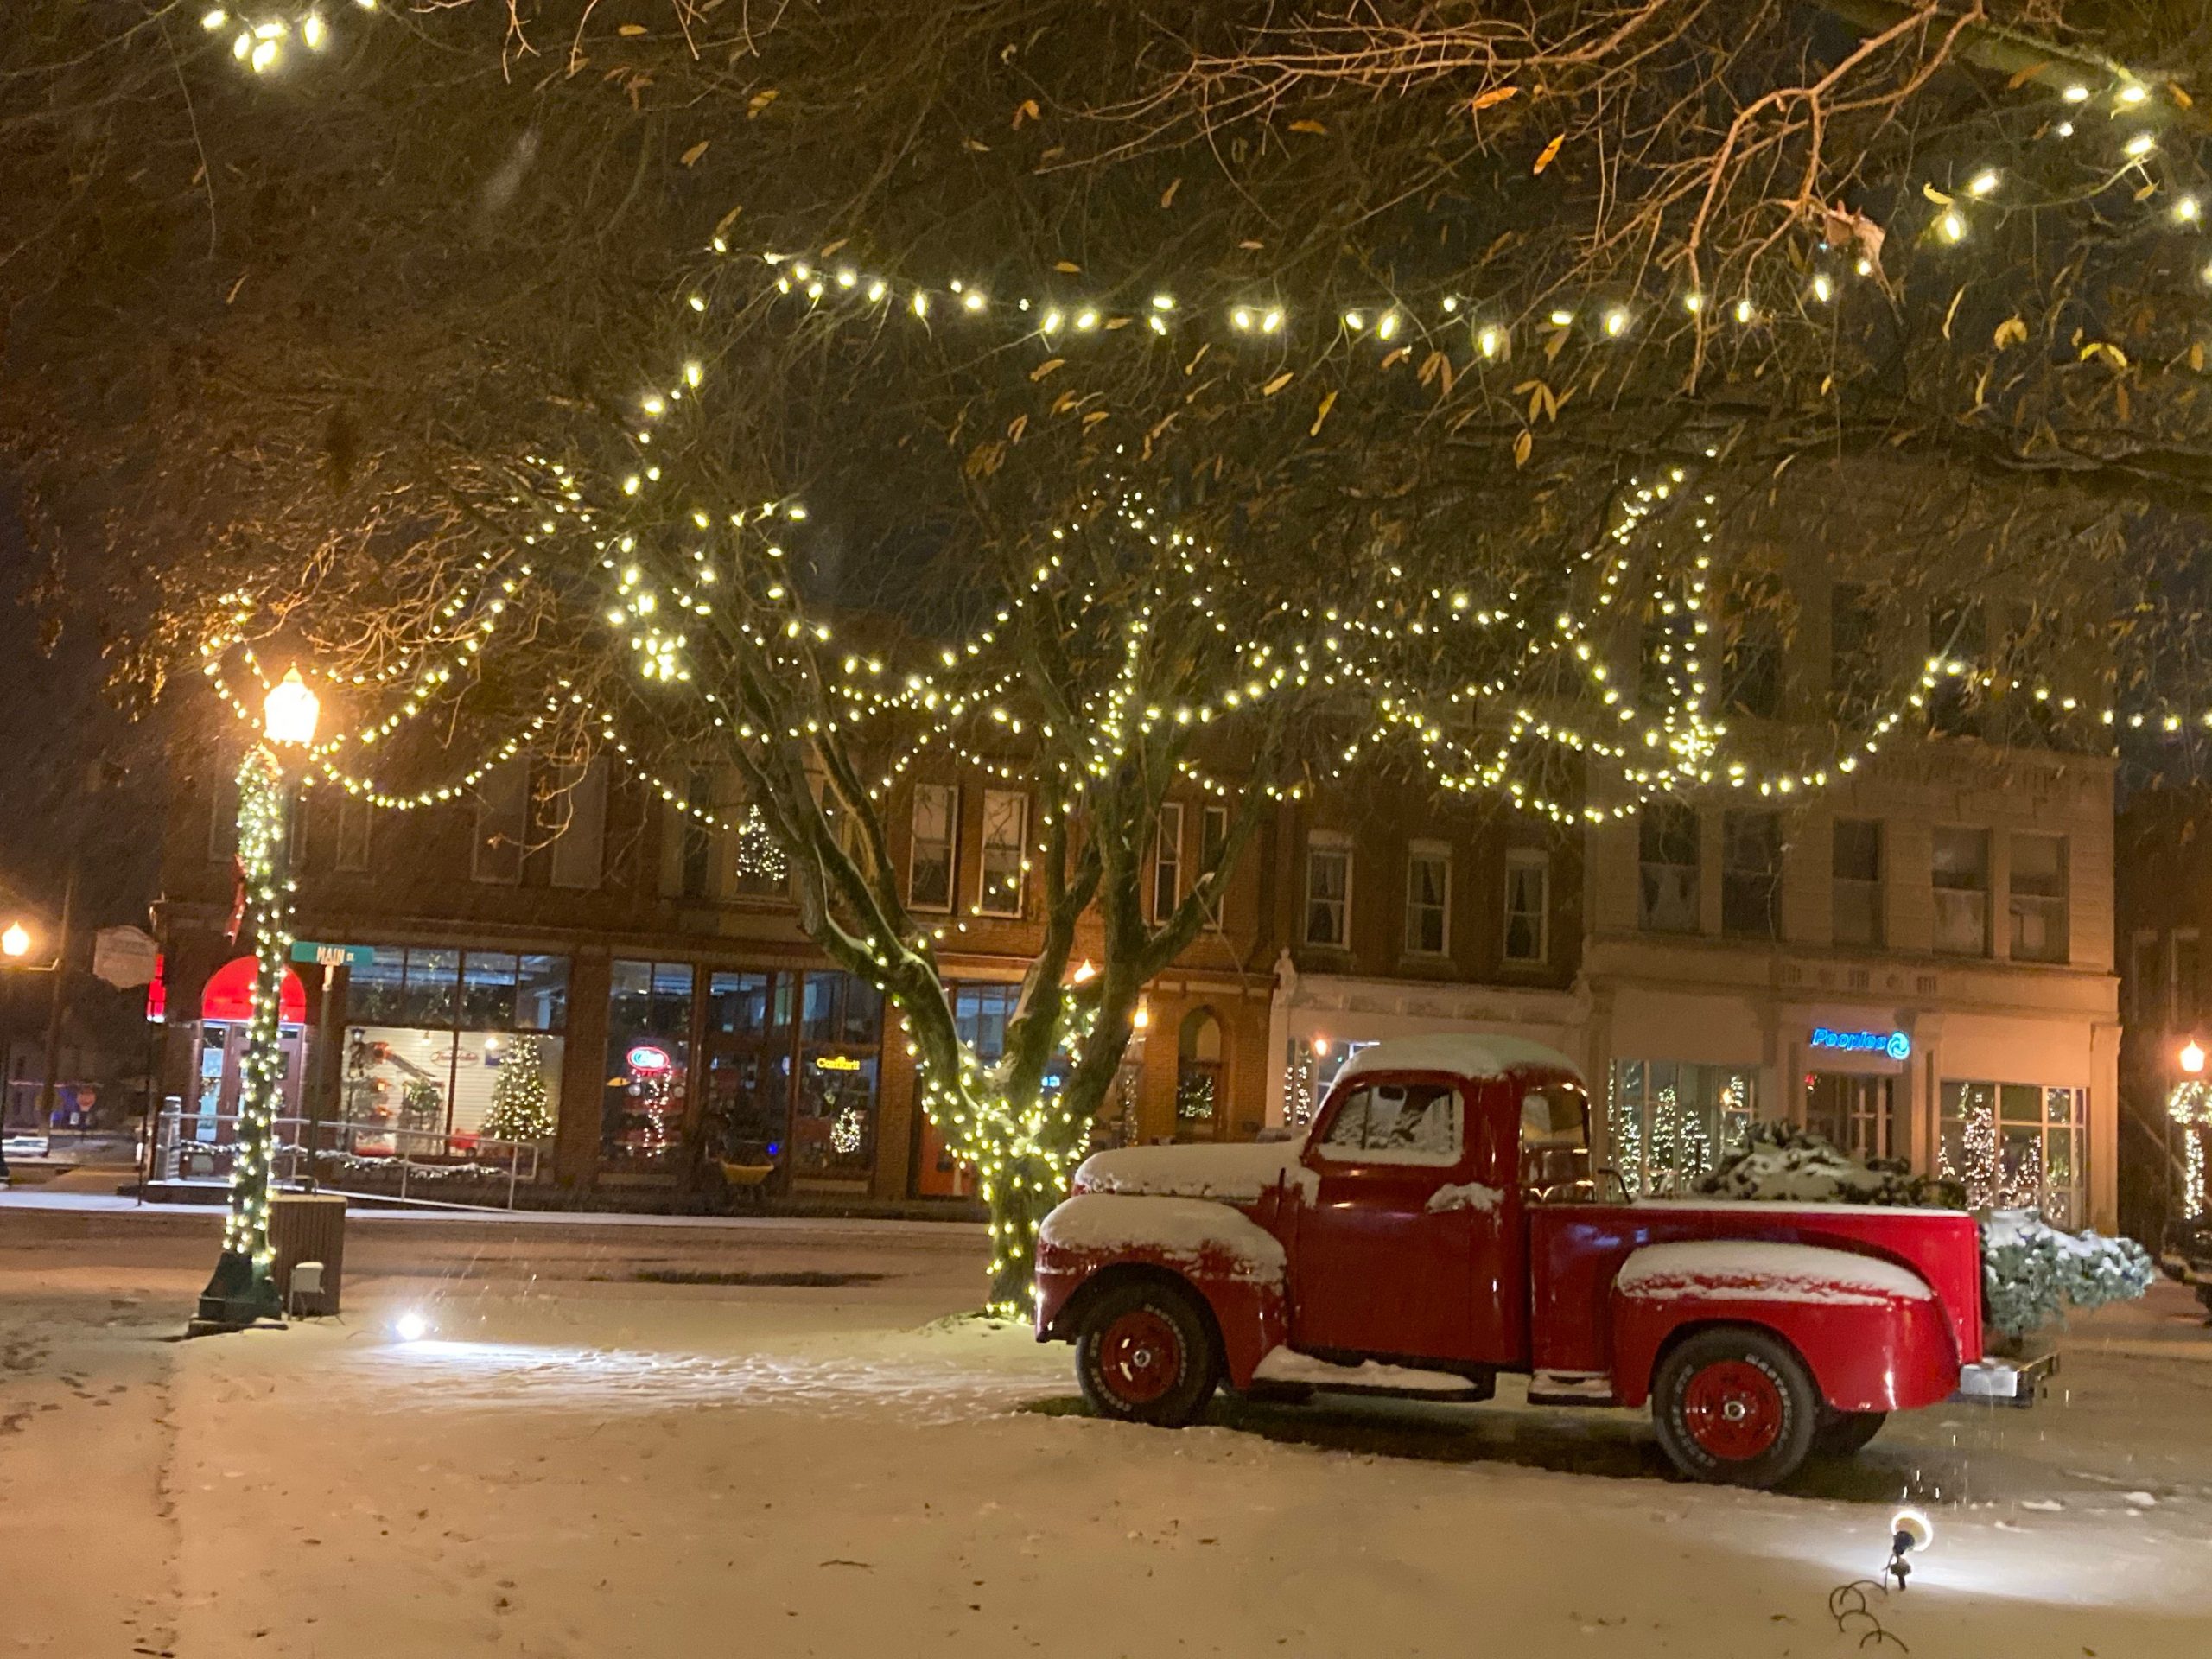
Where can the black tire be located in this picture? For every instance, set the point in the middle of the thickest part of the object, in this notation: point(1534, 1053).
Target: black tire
point(1736, 1407)
point(1146, 1354)
point(1844, 1433)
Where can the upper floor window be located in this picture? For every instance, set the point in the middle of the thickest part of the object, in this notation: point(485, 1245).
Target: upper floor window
point(929, 858)
point(354, 817)
point(1961, 873)
point(1528, 904)
point(1856, 863)
point(696, 821)
point(1328, 890)
point(502, 822)
point(1167, 860)
point(2146, 985)
point(1854, 646)
point(1666, 898)
point(1006, 837)
point(573, 817)
point(2038, 897)
point(1428, 898)
point(1750, 874)
point(1957, 632)
point(2183, 963)
point(1213, 841)
point(1751, 663)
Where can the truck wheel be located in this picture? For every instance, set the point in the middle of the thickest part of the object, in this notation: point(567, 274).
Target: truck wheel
point(1735, 1406)
point(1844, 1433)
point(1146, 1355)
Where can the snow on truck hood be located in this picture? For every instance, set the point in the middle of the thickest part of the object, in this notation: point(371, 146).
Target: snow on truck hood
point(1234, 1173)
point(1200, 1234)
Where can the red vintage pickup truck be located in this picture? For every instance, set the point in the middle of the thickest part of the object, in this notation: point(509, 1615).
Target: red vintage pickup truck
point(1440, 1224)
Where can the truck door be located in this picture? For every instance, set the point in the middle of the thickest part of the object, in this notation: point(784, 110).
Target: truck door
point(1387, 1247)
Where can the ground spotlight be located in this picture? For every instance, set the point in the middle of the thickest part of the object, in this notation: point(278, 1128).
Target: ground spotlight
point(1909, 1530)
point(410, 1326)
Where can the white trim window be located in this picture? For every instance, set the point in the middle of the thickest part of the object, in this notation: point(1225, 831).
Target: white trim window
point(1959, 874)
point(2184, 963)
point(1855, 869)
point(1167, 860)
point(1328, 890)
point(936, 826)
point(1528, 904)
point(1213, 839)
point(579, 854)
point(1006, 835)
point(2037, 897)
point(1428, 898)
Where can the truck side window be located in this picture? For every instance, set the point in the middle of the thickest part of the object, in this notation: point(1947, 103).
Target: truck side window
point(1397, 1123)
point(1554, 1144)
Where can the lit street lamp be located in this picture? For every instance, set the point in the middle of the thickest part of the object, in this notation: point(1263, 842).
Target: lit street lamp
point(15, 942)
point(2191, 1057)
point(240, 1291)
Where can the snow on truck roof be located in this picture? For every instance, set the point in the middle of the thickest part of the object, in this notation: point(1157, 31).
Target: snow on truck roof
point(1462, 1054)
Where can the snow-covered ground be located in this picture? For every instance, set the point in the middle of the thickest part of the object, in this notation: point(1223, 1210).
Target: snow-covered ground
point(578, 1463)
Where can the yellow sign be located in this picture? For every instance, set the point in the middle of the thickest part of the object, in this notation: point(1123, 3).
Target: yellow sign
point(837, 1063)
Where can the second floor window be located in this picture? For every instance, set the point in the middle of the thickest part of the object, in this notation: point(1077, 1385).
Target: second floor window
point(1750, 874)
point(1167, 860)
point(1428, 899)
point(1961, 873)
point(2183, 967)
point(502, 822)
point(2146, 988)
point(1856, 864)
point(929, 861)
point(1328, 893)
point(2038, 897)
point(1528, 903)
point(354, 817)
point(574, 817)
point(1854, 647)
point(1006, 834)
point(1213, 840)
point(1667, 897)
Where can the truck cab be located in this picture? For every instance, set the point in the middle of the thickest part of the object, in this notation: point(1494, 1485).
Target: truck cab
point(1441, 1225)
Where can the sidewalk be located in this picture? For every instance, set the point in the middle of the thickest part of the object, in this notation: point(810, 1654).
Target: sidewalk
point(34, 1200)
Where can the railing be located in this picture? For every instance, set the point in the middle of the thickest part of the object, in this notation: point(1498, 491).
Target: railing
point(197, 1146)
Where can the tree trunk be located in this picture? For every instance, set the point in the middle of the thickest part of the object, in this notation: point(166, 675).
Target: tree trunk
point(1020, 1197)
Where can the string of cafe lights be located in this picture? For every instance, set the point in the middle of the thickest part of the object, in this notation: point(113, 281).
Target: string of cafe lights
point(260, 42)
point(1394, 325)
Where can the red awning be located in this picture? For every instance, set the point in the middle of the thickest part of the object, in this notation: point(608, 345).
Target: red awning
point(229, 994)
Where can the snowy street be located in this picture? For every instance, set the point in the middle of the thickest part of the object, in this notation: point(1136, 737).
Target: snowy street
point(578, 1461)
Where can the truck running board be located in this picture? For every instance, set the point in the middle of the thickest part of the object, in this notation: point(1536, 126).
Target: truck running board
point(1571, 1388)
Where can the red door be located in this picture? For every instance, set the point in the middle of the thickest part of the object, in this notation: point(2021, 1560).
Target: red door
point(1388, 1249)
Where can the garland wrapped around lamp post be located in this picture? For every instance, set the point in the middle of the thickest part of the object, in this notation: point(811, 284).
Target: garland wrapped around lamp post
point(2189, 1105)
point(240, 1291)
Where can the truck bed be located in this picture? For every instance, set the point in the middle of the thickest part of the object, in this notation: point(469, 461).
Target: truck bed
point(1575, 1250)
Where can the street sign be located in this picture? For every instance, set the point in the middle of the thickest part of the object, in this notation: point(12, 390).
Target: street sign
point(126, 957)
point(332, 956)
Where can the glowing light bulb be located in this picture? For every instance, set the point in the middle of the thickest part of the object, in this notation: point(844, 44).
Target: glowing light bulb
point(1953, 227)
point(2191, 1056)
point(16, 941)
point(410, 1326)
point(1982, 182)
point(2140, 146)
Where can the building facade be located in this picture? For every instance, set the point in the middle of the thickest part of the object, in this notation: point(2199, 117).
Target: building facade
point(1915, 960)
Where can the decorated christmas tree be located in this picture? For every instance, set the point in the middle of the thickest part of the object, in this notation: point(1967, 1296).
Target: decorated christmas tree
point(521, 1110)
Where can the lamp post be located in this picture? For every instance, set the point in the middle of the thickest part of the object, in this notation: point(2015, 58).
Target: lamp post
point(15, 942)
point(2188, 1103)
point(240, 1292)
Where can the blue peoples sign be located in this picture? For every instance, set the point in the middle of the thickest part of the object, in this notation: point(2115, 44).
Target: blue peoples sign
point(1897, 1044)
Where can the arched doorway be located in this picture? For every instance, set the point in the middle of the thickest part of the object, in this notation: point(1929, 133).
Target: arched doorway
point(1201, 1106)
point(226, 1009)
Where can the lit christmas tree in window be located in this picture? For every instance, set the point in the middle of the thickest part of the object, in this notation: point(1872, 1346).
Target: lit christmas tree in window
point(521, 1110)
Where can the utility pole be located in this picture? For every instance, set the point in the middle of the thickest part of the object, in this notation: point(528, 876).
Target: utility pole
point(57, 1000)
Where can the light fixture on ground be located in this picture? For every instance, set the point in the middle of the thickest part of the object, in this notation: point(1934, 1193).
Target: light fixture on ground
point(239, 1292)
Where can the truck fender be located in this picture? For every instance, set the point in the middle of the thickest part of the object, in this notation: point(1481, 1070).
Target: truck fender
point(1248, 1318)
point(1872, 1332)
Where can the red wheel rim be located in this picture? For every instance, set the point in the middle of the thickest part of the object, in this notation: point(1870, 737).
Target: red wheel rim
point(1140, 1356)
point(1733, 1410)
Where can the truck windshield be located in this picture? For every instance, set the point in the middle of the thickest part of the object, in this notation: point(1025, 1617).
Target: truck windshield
point(1555, 1143)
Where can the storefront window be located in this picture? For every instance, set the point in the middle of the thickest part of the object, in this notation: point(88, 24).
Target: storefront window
point(648, 1063)
point(2017, 1146)
point(431, 989)
point(747, 1111)
point(488, 990)
point(841, 1035)
point(433, 1067)
point(1671, 1121)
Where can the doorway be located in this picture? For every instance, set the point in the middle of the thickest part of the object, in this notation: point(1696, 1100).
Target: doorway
point(1856, 1113)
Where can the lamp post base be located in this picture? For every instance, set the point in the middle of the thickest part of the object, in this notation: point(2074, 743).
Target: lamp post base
point(237, 1295)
